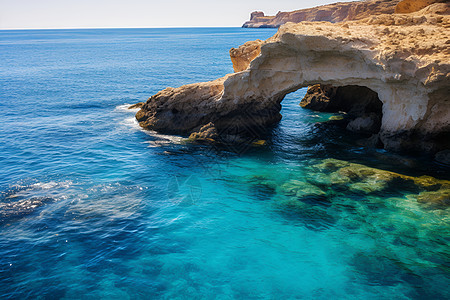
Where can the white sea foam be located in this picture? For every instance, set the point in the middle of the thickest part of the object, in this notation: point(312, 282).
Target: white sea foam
point(131, 122)
point(124, 107)
point(161, 139)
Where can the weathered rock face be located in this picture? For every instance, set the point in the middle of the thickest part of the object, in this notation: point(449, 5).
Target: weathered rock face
point(244, 54)
point(404, 59)
point(336, 12)
point(181, 110)
point(353, 99)
point(362, 105)
point(409, 6)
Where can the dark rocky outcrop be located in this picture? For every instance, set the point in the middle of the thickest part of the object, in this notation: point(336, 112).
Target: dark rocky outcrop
point(362, 106)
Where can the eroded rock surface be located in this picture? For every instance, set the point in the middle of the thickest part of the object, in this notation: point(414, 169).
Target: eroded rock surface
point(338, 12)
point(409, 6)
point(404, 59)
point(244, 54)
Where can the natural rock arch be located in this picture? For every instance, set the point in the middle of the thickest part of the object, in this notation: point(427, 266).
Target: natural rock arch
point(411, 80)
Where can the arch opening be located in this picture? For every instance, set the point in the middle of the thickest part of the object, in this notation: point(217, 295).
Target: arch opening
point(360, 108)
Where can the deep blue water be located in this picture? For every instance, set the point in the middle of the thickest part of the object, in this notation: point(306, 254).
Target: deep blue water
point(93, 207)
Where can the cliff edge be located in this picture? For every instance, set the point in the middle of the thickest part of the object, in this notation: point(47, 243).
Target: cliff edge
point(403, 58)
point(337, 12)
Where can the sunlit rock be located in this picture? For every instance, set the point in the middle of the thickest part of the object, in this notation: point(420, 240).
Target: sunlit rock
point(244, 54)
point(336, 12)
point(411, 79)
point(301, 189)
point(409, 6)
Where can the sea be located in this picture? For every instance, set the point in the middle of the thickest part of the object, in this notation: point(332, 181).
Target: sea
point(94, 207)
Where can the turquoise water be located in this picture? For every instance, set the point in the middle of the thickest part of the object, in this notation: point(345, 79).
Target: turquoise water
point(93, 207)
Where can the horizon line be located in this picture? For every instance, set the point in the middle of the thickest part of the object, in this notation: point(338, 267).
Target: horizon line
point(149, 27)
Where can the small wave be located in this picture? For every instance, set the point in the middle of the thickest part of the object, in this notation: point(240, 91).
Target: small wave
point(160, 139)
point(125, 107)
point(131, 122)
point(163, 139)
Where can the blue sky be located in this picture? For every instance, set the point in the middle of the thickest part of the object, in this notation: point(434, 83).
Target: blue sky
point(138, 13)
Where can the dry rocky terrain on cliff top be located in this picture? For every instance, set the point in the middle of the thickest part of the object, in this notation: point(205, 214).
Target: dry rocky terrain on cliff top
point(422, 37)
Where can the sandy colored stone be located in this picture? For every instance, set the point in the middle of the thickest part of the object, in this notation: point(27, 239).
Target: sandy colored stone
point(244, 54)
point(409, 6)
point(336, 12)
point(404, 58)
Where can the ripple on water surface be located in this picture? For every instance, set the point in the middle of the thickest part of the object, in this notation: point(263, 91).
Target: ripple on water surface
point(91, 206)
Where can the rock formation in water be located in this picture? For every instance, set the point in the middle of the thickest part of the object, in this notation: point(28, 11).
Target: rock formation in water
point(337, 12)
point(362, 106)
point(403, 58)
point(366, 180)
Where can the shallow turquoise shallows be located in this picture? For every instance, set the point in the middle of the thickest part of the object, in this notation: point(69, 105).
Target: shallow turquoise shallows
point(92, 207)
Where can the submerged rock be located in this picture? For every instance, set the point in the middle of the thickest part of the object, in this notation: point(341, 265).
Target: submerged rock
point(20, 208)
point(439, 198)
point(314, 217)
point(301, 189)
point(362, 179)
point(336, 118)
point(207, 133)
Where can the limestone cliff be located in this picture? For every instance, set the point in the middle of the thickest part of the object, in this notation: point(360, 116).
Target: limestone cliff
point(242, 56)
point(403, 58)
point(338, 12)
point(409, 6)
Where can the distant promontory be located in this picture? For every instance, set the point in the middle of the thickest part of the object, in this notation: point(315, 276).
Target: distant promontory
point(336, 12)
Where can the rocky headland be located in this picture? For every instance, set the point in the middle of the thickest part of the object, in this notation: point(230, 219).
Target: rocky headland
point(403, 59)
point(337, 12)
